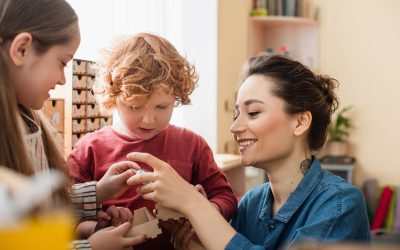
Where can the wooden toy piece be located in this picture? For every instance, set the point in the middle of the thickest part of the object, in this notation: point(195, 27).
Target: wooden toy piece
point(144, 223)
point(165, 214)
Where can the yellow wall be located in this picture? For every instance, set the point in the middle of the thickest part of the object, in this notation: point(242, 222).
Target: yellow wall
point(360, 47)
point(232, 53)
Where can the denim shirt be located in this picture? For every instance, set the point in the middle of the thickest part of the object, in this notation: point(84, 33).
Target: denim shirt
point(323, 208)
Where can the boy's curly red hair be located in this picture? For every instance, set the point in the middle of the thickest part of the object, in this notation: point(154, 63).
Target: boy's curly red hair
point(140, 65)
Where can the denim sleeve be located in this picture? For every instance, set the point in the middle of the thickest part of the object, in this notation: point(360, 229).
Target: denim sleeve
point(340, 215)
point(239, 242)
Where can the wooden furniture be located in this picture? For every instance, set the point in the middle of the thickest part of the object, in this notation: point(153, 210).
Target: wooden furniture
point(81, 113)
point(343, 170)
point(231, 165)
point(296, 35)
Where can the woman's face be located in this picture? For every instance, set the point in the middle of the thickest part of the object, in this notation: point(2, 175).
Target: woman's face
point(262, 128)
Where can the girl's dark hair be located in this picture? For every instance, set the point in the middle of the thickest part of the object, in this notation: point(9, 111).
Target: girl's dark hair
point(301, 89)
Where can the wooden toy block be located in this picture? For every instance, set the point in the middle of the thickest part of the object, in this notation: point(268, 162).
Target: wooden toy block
point(165, 214)
point(144, 223)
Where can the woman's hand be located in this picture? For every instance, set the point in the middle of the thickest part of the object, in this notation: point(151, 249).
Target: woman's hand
point(113, 216)
point(113, 183)
point(111, 238)
point(163, 186)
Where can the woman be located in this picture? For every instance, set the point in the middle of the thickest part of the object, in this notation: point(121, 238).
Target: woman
point(282, 114)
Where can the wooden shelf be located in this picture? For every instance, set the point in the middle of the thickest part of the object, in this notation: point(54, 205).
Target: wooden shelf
point(297, 34)
point(282, 20)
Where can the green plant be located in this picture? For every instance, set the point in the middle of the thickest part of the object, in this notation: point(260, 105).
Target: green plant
point(339, 127)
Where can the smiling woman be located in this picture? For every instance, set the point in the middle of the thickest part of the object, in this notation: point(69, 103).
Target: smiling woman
point(282, 113)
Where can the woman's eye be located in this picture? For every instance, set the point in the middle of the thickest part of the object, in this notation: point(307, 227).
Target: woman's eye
point(162, 107)
point(134, 108)
point(235, 115)
point(253, 114)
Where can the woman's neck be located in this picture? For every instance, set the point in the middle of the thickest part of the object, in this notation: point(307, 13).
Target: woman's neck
point(285, 175)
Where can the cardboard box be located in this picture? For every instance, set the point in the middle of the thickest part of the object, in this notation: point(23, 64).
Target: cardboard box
point(78, 110)
point(79, 82)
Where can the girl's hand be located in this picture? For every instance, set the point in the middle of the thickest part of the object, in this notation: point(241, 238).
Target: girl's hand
point(113, 183)
point(163, 186)
point(111, 238)
point(113, 216)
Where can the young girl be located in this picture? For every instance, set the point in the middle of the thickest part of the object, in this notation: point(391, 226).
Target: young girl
point(282, 114)
point(37, 39)
point(144, 79)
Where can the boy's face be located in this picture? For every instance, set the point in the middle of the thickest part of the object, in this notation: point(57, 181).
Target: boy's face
point(146, 120)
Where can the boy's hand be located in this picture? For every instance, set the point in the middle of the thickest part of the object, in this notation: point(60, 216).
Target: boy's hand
point(113, 183)
point(113, 216)
point(111, 238)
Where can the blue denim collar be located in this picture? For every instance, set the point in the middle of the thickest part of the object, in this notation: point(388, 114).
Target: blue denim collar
point(297, 198)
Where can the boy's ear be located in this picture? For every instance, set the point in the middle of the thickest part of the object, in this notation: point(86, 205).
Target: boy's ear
point(19, 48)
point(302, 122)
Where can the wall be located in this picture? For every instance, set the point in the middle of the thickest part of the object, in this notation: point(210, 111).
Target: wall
point(360, 47)
point(199, 42)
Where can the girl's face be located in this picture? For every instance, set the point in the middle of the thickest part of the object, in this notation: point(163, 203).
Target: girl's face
point(40, 73)
point(262, 128)
point(148, 119)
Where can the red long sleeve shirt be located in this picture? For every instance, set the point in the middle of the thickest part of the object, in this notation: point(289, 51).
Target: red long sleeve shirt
point(187, 152)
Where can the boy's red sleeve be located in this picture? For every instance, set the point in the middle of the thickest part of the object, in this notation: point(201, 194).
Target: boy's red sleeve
point(214, 182)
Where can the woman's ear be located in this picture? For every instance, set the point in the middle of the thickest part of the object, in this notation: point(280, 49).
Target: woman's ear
point(303, 122)
point(20, 47)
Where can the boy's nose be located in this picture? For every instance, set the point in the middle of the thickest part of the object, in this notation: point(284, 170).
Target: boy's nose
point(148, 118)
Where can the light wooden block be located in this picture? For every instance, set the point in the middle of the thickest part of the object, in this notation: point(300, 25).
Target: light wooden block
point(79, 67)
point(165, 214)
point(144, 223)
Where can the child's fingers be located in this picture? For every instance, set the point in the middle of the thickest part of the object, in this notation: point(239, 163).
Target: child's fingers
point(122, 166)
point(133, 241)
point(113, 212)
point(103, 215)
point(129, 214)
point(123, 216)
point(123, 228)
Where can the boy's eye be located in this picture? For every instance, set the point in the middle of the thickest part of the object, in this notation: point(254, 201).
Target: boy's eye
point(134, 107)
